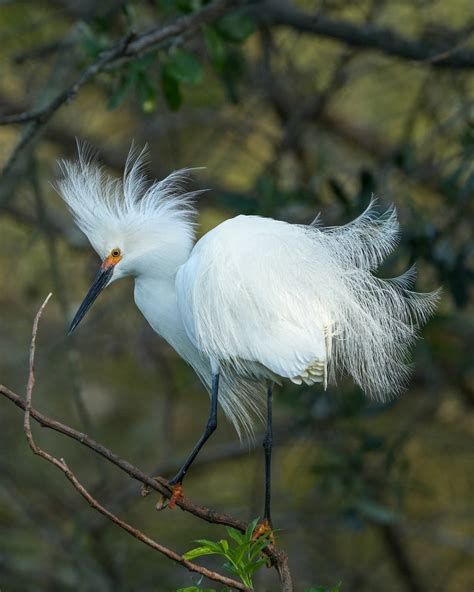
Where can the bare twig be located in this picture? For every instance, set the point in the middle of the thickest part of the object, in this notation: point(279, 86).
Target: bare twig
point(159, 484)
point(62, 466)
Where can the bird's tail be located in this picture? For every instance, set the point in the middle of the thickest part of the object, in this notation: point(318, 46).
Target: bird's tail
point(374, 321)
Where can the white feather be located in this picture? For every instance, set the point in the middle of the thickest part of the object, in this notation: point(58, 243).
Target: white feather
point(287, 295)
point(256, 298)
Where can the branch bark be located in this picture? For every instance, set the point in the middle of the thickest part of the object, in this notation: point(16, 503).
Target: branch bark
point(278, 557)
point(62, 466)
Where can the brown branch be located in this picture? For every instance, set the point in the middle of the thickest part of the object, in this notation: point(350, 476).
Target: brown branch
point(62, 466)
point(159, 484)
point(367, 36)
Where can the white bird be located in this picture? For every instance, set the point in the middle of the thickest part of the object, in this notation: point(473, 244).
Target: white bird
point(254, 301)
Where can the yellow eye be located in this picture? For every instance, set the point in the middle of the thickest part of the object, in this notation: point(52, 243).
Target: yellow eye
point(115, 253)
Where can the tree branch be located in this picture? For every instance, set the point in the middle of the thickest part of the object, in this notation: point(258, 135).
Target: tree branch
point(62, 466)
point(159, 484)
point(368, 36)
point(129, 46)
point(278, 557)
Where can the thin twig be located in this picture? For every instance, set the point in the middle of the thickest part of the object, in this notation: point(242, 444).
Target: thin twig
point(159, 484)
point(129, 46)
point(278, 557)
point(62, 466)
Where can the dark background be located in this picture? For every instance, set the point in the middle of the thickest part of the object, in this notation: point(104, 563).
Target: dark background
point(293, 109)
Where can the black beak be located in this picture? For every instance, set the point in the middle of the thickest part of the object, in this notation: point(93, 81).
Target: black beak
point(101, 280)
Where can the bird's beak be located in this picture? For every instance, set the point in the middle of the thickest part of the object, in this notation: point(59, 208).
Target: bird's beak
point(100, 282)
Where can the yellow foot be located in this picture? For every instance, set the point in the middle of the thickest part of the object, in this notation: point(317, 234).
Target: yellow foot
point(177, 494)
point(262, 529)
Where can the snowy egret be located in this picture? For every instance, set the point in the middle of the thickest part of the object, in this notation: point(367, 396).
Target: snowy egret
point(254, 301)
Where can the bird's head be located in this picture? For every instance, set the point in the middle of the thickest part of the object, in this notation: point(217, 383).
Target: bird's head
point(136, 227)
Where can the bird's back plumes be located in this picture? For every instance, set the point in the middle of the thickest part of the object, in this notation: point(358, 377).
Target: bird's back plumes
point(290, 294)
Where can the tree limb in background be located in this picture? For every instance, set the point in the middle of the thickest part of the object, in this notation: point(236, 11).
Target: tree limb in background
point(278, 557)
point(128, 46)
point(367, 36)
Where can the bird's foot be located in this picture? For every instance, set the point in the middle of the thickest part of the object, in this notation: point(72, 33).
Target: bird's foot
point(264, 528)
point(176, 494)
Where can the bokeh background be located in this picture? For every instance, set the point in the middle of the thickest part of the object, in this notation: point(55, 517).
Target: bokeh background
point(289, 119)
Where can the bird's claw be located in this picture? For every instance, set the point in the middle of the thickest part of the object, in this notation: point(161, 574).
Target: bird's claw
point(177, 494)
point(262, 529)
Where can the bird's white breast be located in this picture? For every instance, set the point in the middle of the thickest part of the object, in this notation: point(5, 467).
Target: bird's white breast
point(245, 299)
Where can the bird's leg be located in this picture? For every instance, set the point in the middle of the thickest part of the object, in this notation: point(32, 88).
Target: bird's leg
point(267, 447)
point(266, 524)
point(177, 480)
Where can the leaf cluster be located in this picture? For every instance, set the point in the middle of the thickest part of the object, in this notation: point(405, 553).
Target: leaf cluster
point(242, 555)
point(170, 68)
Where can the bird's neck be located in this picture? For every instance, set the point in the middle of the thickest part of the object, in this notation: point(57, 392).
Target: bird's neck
point(155, 296)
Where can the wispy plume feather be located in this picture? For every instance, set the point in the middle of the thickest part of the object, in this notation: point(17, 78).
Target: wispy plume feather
point(289, 295)
point(104, 206)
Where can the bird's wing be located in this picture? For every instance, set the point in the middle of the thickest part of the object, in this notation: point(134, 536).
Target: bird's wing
point(283, 295)
point(244, 297)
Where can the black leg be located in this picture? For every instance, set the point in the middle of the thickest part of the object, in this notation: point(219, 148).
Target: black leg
point(210, 428)
point(267, 446)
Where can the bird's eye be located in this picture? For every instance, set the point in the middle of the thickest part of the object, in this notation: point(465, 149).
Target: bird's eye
point(115, 253)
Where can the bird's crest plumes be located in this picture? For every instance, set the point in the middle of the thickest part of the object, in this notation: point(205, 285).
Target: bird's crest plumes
point(107, 208)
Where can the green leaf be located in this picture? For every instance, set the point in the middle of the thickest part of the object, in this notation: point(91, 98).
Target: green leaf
point(250, 528)
point(122, 89)
point(171, 90)
point(92, 42)
point(146, 92)
point(183, 66)
point(215, 44)
point(224, 545)
point(253, 567)
point(258, 545)
point(235, 534)
point(208, 543)
point(236, 26)
point(198, 552)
